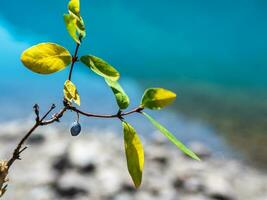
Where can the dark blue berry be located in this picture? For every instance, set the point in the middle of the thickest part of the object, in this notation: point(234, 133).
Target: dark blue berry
point(75, 129)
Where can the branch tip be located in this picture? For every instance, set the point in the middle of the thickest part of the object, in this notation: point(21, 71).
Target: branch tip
point(37, 112)
point(53, 106)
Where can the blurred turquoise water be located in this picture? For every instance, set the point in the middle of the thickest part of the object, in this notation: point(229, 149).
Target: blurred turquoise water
point(216, 41)
point(213, 50)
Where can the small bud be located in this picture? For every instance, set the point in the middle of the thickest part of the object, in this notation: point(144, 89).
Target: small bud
point(75, 129)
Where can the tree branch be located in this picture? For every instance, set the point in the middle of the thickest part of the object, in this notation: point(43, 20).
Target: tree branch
point(42, 121)
point(55, 118)
point(18, 150)
point(118, 115)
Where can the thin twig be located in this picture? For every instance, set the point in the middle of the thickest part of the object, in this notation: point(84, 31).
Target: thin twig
point(36, 110)
point(18, 150)
point(55, 118)
point(118, 115)
point(47, 113)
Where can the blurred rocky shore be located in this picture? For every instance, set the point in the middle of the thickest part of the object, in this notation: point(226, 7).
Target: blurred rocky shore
point(57, 166)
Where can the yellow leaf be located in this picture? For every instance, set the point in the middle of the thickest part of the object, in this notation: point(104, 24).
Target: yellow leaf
point(80, 27)
point(71, 22)
point(157, 98)
point(46, 58)
point(74, 22)
point(74, 7)
point(134, 153)
point(71, 93)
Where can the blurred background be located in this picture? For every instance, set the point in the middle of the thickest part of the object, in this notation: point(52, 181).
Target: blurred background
point(211, 53)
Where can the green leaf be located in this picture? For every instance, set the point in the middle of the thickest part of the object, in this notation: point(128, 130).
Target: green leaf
point(71, 93)
point(134, 153)
point(157, 98)
point(46, 58)
point(122, 99)
point(71, 26)
point(100, 67)
point(172, 138)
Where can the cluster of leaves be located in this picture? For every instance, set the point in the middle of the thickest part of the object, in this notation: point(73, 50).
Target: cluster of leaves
point(48, 58)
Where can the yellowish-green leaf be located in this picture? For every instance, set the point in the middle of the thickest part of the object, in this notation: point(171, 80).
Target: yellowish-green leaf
point(80, 27)
point(101, 67)
point(74, 7)
point(46, 58)
point(122, 99)
point(157, 98)
point(74, 21)
point(71, 25)
point(71, 93)
point(134, 153)
point(172, 138)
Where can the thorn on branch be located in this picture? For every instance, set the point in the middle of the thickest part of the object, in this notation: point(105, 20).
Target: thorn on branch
point(17, 156)
point(23, 150)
